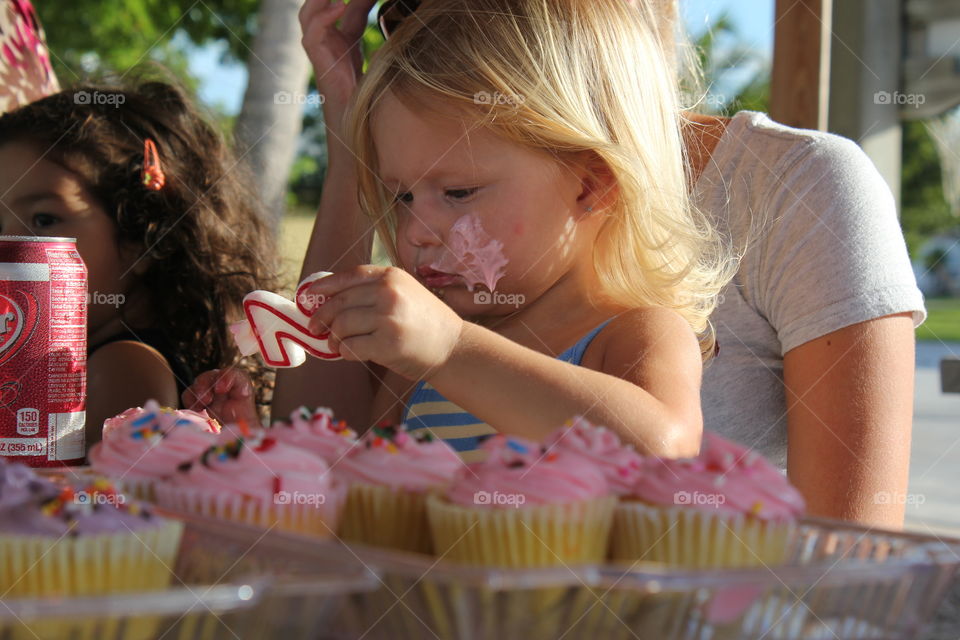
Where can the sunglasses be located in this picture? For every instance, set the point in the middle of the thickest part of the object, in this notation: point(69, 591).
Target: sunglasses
point(393, 12)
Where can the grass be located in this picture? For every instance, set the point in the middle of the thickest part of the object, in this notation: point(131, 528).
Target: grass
point(294, 238)
point(943, 320)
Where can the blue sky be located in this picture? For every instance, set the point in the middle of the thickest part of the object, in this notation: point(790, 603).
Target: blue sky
point(224, 84)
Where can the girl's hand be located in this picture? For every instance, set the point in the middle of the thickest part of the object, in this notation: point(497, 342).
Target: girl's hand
point(226, 394)
point(335, 51)
point(382, 314)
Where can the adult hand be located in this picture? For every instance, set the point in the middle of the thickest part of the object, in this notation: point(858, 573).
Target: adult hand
point(335, 50)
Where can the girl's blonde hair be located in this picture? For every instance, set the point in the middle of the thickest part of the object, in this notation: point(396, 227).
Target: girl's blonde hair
point(567, 77)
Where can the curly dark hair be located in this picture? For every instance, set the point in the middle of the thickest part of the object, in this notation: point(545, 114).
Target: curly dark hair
point(204, 233)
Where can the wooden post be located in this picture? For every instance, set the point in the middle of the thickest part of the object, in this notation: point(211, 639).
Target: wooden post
point(800, 84)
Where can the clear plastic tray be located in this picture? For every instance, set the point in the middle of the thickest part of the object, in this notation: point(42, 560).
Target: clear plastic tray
point(841, 582)
point(230, 581)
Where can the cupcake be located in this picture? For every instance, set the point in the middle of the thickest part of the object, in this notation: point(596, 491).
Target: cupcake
point(727, 507)
point(144, 445)
point(621, 464)
point(74, 540)
point(524, 506)
point(258, 481)
point(316, 431)
point(390, 473)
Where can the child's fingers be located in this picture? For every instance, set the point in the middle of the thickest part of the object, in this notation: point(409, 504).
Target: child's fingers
point(355, 19)
point(317, 33)
point(243, 388)
point(201, 387)
point(358, 348)
point(360, 296)
point(334, 284)
point(317, 13)
point(224, 384)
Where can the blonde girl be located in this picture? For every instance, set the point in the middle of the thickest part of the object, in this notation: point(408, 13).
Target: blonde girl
point(522, 162)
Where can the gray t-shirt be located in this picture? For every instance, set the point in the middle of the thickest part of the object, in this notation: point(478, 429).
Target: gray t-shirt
point(824, 251)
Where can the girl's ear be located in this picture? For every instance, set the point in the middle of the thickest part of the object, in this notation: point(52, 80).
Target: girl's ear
point(599, 189)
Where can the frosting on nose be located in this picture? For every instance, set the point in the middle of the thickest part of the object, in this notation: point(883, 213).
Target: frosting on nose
point(473, 254)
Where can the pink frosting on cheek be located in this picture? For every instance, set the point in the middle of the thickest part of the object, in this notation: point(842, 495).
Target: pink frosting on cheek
point(473, 254)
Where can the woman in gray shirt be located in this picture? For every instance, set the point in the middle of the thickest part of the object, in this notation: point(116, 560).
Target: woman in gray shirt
point(816, 364)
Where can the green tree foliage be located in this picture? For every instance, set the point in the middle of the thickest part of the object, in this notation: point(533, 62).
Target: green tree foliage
point(93, 37)
point(924, 211)
point(719, 53)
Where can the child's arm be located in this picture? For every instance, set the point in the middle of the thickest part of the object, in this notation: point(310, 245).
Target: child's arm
point(645, 381)
point(121, 375)
point(641, 380)
point(342, 236)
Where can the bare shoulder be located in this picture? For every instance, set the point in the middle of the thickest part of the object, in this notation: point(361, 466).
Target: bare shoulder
point(643, 336)
point(126, 374)
point(132, 368)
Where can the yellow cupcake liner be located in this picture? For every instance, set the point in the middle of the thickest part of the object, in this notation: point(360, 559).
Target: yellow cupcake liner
point(386, 517)
point(535, 536)
point(524, 537)
point(314, 517)
point(696, 538)
point(36, 565)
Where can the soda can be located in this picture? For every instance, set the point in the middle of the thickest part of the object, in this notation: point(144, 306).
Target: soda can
point(43, 351)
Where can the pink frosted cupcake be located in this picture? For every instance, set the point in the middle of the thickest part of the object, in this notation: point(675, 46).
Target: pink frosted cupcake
point(259, 481)
point(390, 474)
point(621, 464)
point(144, 445)
point(316, 431)
point(728, 507)
point(524, 506)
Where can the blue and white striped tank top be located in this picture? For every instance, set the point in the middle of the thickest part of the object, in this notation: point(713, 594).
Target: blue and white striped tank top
point(428, 410)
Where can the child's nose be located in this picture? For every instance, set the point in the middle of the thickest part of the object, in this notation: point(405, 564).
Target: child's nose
point(424, 227)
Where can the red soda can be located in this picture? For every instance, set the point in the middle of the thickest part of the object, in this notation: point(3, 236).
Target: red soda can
point(43, 351)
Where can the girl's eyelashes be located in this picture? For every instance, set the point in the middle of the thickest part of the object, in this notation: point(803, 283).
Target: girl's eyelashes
point(44, 220)
point(406, 198)
point(461, 194)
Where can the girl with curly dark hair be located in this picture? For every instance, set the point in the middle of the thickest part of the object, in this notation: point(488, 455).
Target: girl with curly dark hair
point(164, 218)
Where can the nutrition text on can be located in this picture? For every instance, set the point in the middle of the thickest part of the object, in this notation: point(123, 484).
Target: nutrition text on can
point(43, 350)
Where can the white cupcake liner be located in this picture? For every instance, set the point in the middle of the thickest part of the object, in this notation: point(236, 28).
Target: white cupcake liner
point(696, 538)
point(310, 518)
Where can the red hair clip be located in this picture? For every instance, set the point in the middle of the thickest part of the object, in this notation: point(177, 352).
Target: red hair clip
point(152, 174)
